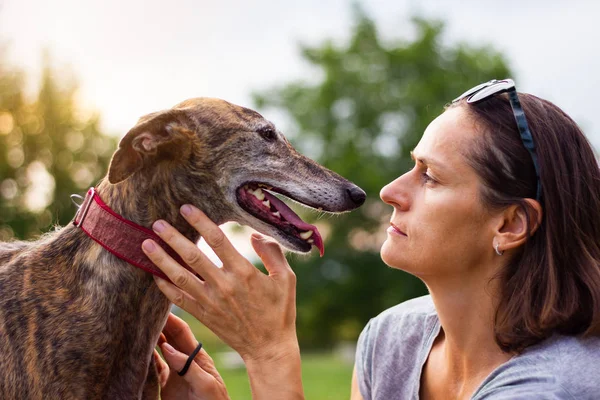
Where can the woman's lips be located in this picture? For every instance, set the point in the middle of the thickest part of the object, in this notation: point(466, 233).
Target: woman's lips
point(394, 229)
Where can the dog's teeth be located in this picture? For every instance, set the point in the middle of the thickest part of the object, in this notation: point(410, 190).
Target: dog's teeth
point(250, 191)
point(258, 193)
point(306, 235)
point(276, 213)
point(310, 241)
point(267, 204)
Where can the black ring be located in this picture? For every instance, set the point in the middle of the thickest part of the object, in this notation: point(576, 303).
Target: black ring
point(190, 359)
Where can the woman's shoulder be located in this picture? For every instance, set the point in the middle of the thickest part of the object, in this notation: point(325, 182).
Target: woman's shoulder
point(417, 309)
point(402, 329)
point(566, 365)
point(409, 320)
point(403, 332)
point(573, 360)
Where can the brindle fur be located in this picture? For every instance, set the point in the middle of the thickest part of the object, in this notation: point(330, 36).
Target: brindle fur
point(78, 323)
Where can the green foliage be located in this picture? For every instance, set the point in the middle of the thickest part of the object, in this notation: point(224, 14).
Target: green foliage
point(363, 115)
point(48, 150)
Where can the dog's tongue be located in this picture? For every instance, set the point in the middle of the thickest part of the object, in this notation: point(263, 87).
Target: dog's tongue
point(291, 217)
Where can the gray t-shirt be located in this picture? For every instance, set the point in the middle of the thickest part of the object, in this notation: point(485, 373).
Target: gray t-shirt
point(394, 346)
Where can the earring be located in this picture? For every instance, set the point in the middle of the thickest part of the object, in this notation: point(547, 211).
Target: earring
point(498, 251)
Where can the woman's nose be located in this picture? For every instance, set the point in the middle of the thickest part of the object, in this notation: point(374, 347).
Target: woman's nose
point(396, 193)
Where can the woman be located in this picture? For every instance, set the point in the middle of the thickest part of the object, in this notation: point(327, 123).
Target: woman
point(500, 217)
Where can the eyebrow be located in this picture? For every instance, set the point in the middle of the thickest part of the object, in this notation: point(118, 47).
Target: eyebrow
point(426, 161)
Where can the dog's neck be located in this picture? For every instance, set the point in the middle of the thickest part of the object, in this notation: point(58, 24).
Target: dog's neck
point(143, 200)
point(143, 204)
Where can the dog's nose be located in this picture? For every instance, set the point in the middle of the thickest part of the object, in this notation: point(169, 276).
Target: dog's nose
point(357, 195)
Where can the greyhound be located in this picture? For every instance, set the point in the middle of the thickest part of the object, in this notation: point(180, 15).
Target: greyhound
point(78, 321)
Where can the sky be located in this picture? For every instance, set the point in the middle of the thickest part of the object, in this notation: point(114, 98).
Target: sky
point(134, 57)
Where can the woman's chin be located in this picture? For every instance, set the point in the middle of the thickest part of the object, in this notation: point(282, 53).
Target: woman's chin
point(398, 258)
point(390, 256)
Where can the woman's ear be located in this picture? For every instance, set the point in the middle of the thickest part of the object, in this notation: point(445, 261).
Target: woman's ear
point(512, 231)
point(156, 137)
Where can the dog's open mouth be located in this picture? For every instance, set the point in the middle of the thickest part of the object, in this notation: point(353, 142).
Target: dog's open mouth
point(257, 201)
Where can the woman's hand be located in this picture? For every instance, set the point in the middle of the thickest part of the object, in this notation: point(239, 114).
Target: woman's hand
point(201, 381)
point(254, 313)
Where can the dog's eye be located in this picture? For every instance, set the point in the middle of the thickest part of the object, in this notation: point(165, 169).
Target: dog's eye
point(268, 133)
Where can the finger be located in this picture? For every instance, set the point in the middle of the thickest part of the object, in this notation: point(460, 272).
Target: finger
point(206, 362)
point(180, 276)
point(161, 339)
point(179, 334)
point(213, 235)
point(182, 299)
point(162, 369)
point(188, 251)
point(195, 376)
point(271, 255)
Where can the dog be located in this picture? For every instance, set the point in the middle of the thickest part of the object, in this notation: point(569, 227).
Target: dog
point(79, 322)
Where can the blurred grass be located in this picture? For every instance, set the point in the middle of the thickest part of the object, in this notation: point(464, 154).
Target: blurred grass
point(325, 376)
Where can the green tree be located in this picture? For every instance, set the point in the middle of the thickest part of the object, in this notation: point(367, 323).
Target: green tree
point(48, 150)
point(363, 115)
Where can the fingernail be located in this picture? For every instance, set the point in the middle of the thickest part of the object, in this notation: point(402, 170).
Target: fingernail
point(159, 226)
point(168, 348)
point(149, 246)
point(186, 210)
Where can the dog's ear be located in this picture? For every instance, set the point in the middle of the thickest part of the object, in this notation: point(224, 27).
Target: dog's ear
point(163, 135)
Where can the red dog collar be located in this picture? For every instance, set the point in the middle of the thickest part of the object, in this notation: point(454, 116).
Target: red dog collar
point(118, 235)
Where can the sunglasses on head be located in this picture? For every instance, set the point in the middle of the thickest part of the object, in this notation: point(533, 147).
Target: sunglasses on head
point(485, 91)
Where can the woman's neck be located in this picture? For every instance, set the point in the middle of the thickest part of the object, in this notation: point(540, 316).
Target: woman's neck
point(466, 348)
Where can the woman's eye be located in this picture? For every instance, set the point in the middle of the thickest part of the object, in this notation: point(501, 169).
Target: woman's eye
point(426, 178)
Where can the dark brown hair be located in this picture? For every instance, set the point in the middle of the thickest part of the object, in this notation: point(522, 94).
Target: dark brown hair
point(553, 284)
